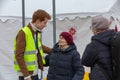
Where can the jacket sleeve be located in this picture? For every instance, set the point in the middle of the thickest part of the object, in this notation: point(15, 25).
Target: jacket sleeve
point(89, 56)
point(77, 67)
point(20, 48)
point(46, 49)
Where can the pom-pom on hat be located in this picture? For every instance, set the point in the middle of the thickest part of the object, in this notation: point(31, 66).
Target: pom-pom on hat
point(68, 37)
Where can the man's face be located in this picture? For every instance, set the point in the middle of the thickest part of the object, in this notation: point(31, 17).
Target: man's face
point(41, 24)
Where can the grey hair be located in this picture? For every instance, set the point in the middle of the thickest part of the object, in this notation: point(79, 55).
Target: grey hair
point(100, 23)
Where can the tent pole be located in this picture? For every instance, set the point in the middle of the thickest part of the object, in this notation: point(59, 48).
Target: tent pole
point(54, 22)
point(23, 13)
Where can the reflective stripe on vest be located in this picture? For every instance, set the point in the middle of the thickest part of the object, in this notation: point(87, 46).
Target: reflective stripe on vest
point(29, 54)
point(42, 55)
point(40, 49)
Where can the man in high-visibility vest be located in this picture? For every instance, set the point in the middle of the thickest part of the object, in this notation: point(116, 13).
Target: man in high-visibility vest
point(28, 49)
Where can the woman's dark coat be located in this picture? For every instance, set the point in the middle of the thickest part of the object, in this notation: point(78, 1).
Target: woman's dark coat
point(64, 64)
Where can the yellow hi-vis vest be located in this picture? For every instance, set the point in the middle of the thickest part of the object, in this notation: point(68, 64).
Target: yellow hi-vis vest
point(30, 49)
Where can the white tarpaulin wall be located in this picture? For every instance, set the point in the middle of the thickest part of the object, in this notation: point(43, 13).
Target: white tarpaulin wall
point(80, 21)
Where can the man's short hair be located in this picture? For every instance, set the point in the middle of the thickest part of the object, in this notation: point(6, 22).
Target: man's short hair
point(41, 15)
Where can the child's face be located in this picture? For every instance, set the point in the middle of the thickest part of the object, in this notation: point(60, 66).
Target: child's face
point(62, 41)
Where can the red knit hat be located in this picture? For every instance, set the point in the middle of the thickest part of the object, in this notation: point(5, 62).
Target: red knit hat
point(68, 37)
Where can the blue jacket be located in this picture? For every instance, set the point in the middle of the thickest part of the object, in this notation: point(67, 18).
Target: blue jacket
point(97, 56)
point(64, 64)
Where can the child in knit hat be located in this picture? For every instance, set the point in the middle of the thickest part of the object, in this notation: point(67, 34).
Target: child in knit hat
point(64, 61)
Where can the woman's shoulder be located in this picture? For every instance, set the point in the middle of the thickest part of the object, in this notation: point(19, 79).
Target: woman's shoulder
point(75, 53)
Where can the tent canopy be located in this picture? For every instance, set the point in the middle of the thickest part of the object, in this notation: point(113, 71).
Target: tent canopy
point(66, 7)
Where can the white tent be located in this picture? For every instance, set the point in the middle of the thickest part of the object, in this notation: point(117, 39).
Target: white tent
point(74, 13)
point(73, 7)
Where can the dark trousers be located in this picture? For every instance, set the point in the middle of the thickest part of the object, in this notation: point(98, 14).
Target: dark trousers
point(35, 77)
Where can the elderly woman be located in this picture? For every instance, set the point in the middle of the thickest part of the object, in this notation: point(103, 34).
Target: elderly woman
point(97, 53)
point(64, 61)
